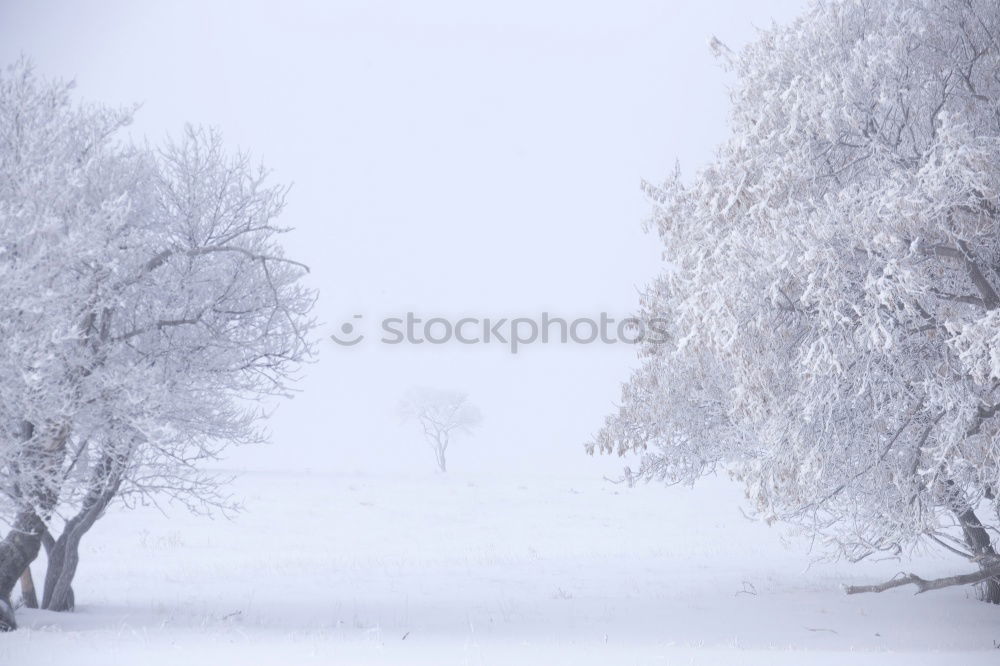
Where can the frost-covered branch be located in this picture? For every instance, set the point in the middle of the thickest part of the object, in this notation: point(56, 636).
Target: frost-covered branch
point(924, 585)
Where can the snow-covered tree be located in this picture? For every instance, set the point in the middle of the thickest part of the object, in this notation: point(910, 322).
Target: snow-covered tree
point(440, 415)
point(147, 308)
point(832, 284)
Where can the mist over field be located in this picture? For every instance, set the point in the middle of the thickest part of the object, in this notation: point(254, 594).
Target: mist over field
point(447, 160)
point(773, 222)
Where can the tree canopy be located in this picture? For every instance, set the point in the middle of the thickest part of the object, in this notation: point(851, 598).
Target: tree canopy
point(832, 282)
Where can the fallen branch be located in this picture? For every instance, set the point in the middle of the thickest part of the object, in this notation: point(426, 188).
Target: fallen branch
point(924, 585)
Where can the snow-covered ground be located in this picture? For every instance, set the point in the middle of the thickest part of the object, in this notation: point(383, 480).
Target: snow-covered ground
point(430, 569)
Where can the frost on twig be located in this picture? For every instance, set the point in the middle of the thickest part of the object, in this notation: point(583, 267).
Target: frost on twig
point(925, 585)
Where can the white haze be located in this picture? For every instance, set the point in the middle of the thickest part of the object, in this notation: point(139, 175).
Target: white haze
point(447, 159)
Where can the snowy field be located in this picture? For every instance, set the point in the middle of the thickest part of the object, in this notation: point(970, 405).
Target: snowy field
point(326, 569)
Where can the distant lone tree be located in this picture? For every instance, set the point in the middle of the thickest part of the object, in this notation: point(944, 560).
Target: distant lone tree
point(833, 289)
point(440, 415)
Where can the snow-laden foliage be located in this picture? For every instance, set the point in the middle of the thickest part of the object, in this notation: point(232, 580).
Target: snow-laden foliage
point(832, 283)
point(145, 306)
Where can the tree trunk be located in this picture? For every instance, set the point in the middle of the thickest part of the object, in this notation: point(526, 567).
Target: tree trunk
point(50, 547)
point(440, 447)
point(57, 593)
point(64, 558)
point(28, 595)
point(17, 550)
point(64, 554)
point(978, 540)
point(20, 547)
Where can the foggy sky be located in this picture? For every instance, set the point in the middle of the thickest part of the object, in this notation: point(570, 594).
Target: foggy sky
point(447, 159)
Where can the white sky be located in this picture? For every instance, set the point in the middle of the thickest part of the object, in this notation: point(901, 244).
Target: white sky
point(452, 158)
